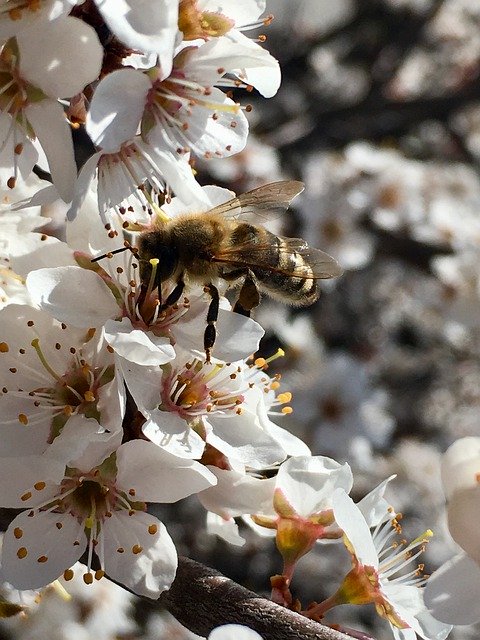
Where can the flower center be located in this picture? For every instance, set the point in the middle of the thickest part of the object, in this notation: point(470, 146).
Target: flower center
point(201, 387)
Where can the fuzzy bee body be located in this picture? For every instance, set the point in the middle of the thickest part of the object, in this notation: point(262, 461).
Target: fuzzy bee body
point(229, 243)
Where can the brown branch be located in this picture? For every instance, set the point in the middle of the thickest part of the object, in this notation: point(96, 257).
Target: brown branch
point(201, 598)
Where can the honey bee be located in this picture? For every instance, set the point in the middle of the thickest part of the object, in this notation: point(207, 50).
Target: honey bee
point(227, 243)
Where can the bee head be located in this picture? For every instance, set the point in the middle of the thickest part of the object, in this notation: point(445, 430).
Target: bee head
point(153, 245)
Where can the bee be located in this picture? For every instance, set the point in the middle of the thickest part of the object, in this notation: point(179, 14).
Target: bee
point(228, 243)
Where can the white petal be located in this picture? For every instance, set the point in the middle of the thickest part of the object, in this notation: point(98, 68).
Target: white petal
point(243, 12)
point(460, 465)
point(84, 180)
point(257, 67)
point(48, 121)
point(452, 594)
point(73, 295)
point(373, 506)
point(149, 572)
point(234, 632)
point(147, 25)
point(240, 437)
point(225, 529)
point(462, 512)
point(44, 535)
point(60, 57)
point(173, 434)
point(158, 476)
point(138, 346)
point(236, 494)
point(237, 336)
point(18, 476)
point(111, 121)
point(308, 482)
point(350, 519)
point(291, 445)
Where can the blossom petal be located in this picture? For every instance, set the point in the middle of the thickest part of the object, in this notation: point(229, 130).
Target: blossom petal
point(139, 552)
point(350, 519)
point(158, 476)
point(452, 594)
point(57, 291)
point(147, 25)
point(308, 482)
point(136, 345)
point(111, 121)
point(48, 121)
point(37, 549)
point(236, 494)
point(60, 57)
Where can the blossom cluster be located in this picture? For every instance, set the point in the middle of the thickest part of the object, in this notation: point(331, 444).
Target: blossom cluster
point(109, 401)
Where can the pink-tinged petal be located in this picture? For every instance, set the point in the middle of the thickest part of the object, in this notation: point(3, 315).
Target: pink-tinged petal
point(452, 594)
point(138, 346)
point(236, 494)
point(145, 25)
point(158, 476)
point(60, 57)
point(308, 483)
point(139, 553)
point(19, 475)
point(73, 295)
point(240, 437)
point(111, 121)
point(172, 433)
point(48, 121)
point(37, 549)
point(350, 519)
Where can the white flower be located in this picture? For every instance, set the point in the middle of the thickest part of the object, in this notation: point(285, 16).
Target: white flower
point(100, 505)
point(50, 373)
point(37, 68)
point(190, 403)
point(453, 591)
point(207, 19)
point(375, 576)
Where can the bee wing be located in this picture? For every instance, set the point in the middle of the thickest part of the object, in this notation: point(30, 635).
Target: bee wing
point(262, 204)
point(315, 264)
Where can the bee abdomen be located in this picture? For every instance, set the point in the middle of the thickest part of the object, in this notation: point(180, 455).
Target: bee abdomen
point(293, 289)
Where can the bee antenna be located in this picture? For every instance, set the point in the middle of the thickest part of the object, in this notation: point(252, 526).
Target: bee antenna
point(127, 247)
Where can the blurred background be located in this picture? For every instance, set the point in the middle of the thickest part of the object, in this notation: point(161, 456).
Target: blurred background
point(379, 115)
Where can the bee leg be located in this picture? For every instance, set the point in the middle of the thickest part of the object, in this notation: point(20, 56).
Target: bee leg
point(248, 297)
point(212, 315)
point(174, 295)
